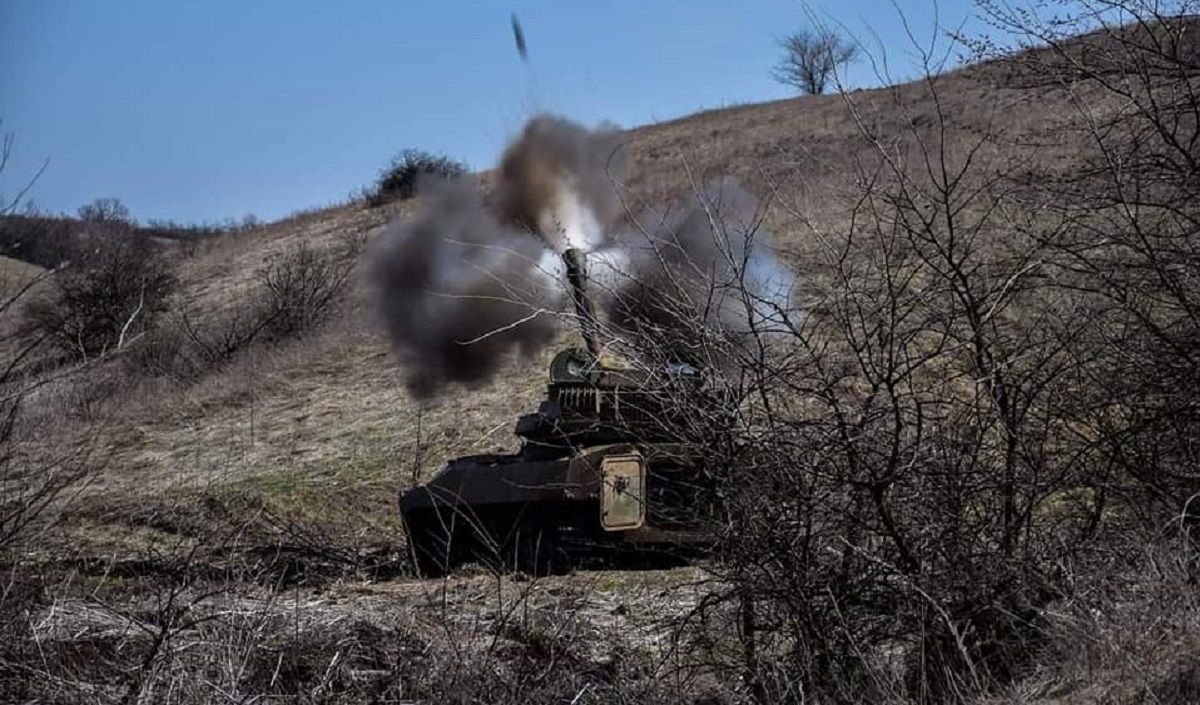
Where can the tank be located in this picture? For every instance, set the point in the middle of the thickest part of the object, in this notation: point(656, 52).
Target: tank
point(600, 474)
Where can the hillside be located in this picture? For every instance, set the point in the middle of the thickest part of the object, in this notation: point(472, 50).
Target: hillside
point(274, 473)
point(14, 274)
point(328, 414)
point(321, 429)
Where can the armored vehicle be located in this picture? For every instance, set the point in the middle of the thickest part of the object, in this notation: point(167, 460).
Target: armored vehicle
point(600, 472)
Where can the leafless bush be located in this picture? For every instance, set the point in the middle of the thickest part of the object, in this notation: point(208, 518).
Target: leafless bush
point(31, 487)
point(294, 294)
point(300, 288)
point(1125, 233)
point(111, 291)
point(30, 484)
point(184, 347)
point(995, 380)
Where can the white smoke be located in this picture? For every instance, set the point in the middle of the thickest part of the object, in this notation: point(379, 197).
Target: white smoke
point(571, 219)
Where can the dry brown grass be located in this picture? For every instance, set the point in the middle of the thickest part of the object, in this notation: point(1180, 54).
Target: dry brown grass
point(468, 639)
point(14, 274)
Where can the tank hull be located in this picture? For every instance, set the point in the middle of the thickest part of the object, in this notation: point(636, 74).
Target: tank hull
point(542, 516)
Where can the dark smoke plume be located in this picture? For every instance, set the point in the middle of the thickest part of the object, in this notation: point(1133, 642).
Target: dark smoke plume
point(457, 290)
point(462, 284)
point(558, 180)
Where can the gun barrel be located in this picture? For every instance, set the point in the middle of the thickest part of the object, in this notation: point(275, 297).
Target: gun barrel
point(577, 279)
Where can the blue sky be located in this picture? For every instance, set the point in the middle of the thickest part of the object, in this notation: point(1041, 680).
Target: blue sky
point(199, 111)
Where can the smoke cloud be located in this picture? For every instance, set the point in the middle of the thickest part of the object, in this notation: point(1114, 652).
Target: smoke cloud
point(465, 282)
point(559, 180)
point(708, 261)
point(457, 290)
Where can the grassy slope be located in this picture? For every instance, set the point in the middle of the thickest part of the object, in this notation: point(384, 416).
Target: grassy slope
point(15, 275)
point(325, 422)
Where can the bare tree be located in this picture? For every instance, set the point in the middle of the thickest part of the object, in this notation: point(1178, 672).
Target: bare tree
point(811, 57)
point(106, 210)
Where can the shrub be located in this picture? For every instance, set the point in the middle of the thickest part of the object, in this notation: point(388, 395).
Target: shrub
point(110, 292)
point(295, 293)
point(299, 288)
point(106, 210)
point(37, 239)
point(398, 180)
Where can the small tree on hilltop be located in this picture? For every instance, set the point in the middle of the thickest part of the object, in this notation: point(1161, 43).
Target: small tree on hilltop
point(811, 56)
point(398, 180)
point(106, 210)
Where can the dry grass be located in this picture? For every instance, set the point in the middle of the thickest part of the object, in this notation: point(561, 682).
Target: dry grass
point(14, 274)
point(469, 639)
point(225, 271)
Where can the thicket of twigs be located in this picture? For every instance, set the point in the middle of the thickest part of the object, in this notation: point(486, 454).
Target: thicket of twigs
point(987, 419)
point(164, 627)
point(109, 291)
